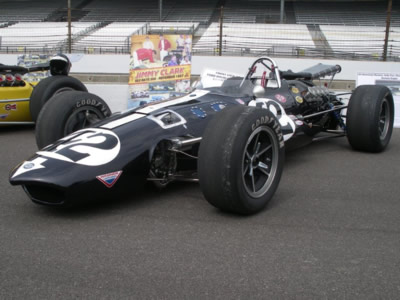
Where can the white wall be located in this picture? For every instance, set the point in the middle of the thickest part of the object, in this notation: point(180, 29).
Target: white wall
point(116, 95)
point(118, 64)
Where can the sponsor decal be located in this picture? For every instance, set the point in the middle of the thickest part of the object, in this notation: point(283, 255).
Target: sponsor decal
point(4, 116)
point(11, 106)
point(29, 166)
point(198, 112)
point(295, 90)
point(109, 179)
point(89, 147)
point(280, 98)
point(299, 99)
point(299, 123)
point(218, 106)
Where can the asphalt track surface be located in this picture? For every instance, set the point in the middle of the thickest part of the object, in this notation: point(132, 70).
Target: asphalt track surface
point(332, 231)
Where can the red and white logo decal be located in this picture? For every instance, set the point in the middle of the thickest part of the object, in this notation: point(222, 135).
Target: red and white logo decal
point(280, 98)
point(11, 106)
point(109, 179)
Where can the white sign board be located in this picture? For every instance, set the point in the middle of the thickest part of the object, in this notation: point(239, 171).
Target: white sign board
point(214, 78)
point(392, 81)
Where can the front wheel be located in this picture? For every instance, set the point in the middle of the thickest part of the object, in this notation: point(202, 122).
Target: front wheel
point(241, 159)
point(370, 118)
point(68, 112)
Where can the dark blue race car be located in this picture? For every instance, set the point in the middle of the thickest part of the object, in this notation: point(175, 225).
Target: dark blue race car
point(231, 137)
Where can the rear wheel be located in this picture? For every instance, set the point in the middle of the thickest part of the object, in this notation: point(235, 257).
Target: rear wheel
point(49, 87)
point(370, 118)
point(67, 112)
point(241, 159)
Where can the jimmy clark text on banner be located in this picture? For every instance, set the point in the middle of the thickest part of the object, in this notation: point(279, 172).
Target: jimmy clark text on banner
point(159, 74)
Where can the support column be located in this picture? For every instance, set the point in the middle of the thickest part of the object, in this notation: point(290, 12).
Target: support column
point(282, 15)
point(389, 14)
point(160, 9)
point(221, 23)
point(69, 27)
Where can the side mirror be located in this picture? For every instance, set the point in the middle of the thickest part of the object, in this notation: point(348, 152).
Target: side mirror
point(258, 91)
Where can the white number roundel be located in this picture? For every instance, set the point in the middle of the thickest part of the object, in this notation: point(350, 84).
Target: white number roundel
point(90, 147)
point(287, 124)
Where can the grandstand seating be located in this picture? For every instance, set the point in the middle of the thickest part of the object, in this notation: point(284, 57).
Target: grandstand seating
point(181, 11)
point(108, 11)
point(115, 37)
point(39, 35)
point(394, 42)
point(256, 39)
point(237, 11)
point(345, 13)
point(122, 11)
point(173, 27)
point(339, 29)
point(147, 11)
point(355, 39)
point(109, 38)
point(27, 11)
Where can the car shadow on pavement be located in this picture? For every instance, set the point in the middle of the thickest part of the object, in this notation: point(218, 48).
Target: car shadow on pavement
point(138, 199)
point(12, 129)
point(151, 196)
point(146, 198)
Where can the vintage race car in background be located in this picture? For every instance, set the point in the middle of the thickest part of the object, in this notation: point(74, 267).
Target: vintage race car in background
point(231, 138)
point(21, 101)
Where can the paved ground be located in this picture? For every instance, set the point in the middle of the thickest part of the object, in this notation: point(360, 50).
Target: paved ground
point(332, 231)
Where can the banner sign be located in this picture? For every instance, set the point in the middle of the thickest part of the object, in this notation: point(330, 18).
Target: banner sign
point(159, 74)
point(159, 68)
point(391, 80)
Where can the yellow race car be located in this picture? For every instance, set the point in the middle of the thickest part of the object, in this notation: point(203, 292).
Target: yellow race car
point(21, 101)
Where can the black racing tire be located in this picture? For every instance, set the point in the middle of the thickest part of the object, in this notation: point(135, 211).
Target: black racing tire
point(50, 86)
point(240, 146)
point(370, 117)
point(67, 112)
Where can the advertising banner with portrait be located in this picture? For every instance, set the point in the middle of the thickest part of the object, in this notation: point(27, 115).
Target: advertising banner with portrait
point(159, 68)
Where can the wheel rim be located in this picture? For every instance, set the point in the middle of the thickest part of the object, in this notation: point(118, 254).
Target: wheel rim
point(62, 90)
point(384, 119)
point(259, 161)
point(81, 118)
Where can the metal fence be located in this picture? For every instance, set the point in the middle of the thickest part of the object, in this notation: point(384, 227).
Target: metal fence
point(213, 38)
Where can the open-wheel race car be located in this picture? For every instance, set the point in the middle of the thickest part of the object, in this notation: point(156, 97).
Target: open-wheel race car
point(231, 138)
point(22, 100)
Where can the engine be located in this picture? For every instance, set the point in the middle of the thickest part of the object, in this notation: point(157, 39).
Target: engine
point(316, 94)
